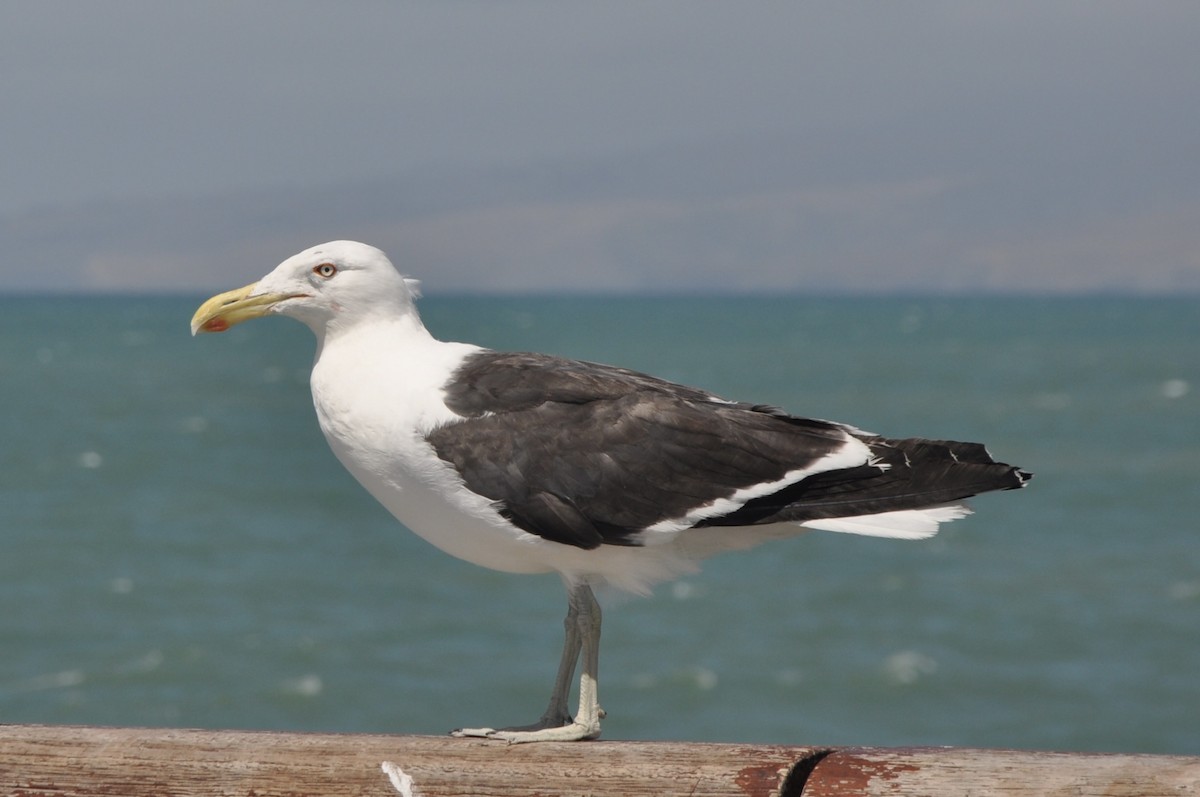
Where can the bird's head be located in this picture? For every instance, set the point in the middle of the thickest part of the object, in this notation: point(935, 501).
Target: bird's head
point(335, 284)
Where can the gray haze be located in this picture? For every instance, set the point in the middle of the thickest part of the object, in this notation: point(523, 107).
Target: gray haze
point(532, 145)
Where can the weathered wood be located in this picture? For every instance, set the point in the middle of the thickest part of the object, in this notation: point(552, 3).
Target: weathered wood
point(46, 761)
point(1004, 773)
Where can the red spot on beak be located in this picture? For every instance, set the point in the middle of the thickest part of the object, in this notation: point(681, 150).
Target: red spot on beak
point(215, 325)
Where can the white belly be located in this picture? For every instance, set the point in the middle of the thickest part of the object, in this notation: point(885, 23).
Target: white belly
point(466, 527)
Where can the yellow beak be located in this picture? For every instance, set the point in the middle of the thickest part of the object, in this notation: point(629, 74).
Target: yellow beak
point(233, 307)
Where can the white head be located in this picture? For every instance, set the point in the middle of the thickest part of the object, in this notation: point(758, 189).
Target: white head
point(329, 287)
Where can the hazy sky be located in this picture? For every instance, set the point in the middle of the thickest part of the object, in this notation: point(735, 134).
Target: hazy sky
point(982, 136)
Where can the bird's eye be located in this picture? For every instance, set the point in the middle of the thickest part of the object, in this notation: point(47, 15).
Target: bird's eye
point(325, 270)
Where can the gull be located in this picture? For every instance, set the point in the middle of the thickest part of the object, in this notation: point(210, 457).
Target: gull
point(530, 463)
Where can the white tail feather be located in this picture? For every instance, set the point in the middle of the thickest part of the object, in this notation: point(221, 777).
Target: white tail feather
point(906, 524)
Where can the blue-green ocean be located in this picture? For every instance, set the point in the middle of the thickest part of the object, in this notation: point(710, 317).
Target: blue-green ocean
point(179, 548)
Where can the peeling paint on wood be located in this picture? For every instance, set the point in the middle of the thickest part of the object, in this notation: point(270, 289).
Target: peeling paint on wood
point(876, 772)
point(401, 781)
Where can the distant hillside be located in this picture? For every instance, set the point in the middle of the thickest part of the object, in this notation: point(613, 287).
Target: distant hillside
point(766, 216)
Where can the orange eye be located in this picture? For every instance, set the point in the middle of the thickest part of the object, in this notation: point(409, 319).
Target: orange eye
point(326, 270)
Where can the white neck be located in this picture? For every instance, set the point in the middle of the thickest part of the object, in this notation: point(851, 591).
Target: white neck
point(398, 331)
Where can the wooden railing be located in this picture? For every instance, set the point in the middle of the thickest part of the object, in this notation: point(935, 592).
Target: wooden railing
point(139, 762)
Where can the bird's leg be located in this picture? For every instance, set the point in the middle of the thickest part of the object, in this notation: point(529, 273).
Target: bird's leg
point(590, 713)
point(556, 713)
point(582, 633)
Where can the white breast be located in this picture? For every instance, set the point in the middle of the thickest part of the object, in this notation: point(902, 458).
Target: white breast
point(376, 394)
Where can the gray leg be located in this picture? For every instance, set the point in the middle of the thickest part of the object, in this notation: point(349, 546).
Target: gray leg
point(582, 635)
point(556, 712)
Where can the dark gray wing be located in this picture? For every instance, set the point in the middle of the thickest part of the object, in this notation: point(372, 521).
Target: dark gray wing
point(588, 454)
